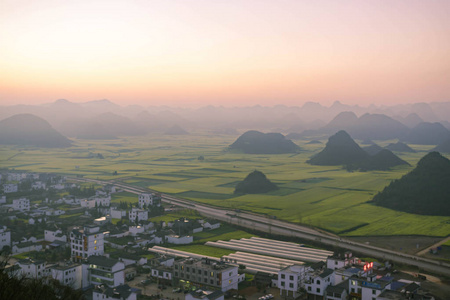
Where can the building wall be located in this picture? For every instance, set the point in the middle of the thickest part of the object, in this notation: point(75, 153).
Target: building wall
point(5, 238)
point(71, 276)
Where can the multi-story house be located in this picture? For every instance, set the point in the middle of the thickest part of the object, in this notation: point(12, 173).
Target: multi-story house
point(291, 279)
point(67, 274)
point(97, 270)
point(96, 201)
point(137, 214)
point(317, 282)
point(33, 268)
point(10, 188)
point(86, 242)
point(207, 273)
point(22, 204)
point(145, 200)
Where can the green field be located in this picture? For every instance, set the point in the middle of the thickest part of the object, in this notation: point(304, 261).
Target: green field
point(326, 197)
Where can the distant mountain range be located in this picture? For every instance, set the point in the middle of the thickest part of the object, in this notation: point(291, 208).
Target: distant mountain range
point(341, 149)
point(66, 116)
point(425, 190)
point(427, 134)
point(30, 130)
point(255, 142)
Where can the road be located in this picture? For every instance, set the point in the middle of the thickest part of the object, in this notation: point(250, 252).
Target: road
point(278, 227)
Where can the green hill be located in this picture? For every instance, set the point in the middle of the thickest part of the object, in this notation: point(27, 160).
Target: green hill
point(383, 160)
point(340, 149)
point(30, 130)
point(255, 142)
point(255, 183)
point(425, 190)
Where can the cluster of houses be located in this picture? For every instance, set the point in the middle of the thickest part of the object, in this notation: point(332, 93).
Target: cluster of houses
point(91, 267)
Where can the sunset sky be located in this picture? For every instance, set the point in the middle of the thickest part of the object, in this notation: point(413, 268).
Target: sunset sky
point(224, 52)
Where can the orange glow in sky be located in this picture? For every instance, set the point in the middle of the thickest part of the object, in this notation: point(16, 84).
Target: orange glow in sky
point(224, 52)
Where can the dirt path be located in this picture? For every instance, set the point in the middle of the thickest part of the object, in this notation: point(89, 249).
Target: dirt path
point(424, 251)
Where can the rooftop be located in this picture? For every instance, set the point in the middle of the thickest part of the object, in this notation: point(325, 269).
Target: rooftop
point(101, 261)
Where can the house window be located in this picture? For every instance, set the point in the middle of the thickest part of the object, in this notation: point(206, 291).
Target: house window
point(229, 274)
point(318, 281)
point(374, 292)
point(230, 281)
point(282, 283)
point(187, 269)
point(291, 277)
point(291, 285)
point(200, 272)
point(283, 276)
point(318, 290)
point(212, 281)
point(309, 288)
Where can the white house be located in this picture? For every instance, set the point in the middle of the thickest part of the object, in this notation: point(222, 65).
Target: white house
point(54, 212)
point(10, 188)
point(58, 186)
point(86, 242)
point(99, 270)
point(179, 240)
point(122, 292)
point(317, 282)
point(163, 274)
point(211, 224)
point(340, 261)
point(145, 199)
point(139, 214)
point(21, 204)
point(117, 213)
point(57, 235)
point(37, 185)
point(67, 274)
point(5, 237)
point(33, 268)
point(3, 200)
point(96, 201)
point(367, 288)
point(291, 279)
point(26, 247)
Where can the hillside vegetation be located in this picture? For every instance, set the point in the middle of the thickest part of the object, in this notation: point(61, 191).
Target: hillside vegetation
point(255, 183)
point(425, 190)
point(255, 142)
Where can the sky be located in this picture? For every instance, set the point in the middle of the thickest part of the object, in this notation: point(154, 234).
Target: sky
point(225, 52)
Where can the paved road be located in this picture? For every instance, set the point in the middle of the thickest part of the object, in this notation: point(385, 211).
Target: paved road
point(273, 226)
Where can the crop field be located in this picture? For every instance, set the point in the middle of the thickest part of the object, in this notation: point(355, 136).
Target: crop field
point(327, 197)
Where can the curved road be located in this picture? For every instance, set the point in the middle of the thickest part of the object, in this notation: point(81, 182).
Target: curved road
point(274, 226)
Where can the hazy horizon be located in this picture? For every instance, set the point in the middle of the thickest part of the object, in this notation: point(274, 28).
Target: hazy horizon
point(230, 53)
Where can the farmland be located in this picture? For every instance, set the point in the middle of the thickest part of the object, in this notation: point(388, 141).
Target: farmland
point(326, 197)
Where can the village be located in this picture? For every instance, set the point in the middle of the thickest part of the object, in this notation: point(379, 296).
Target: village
point(52, 227)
